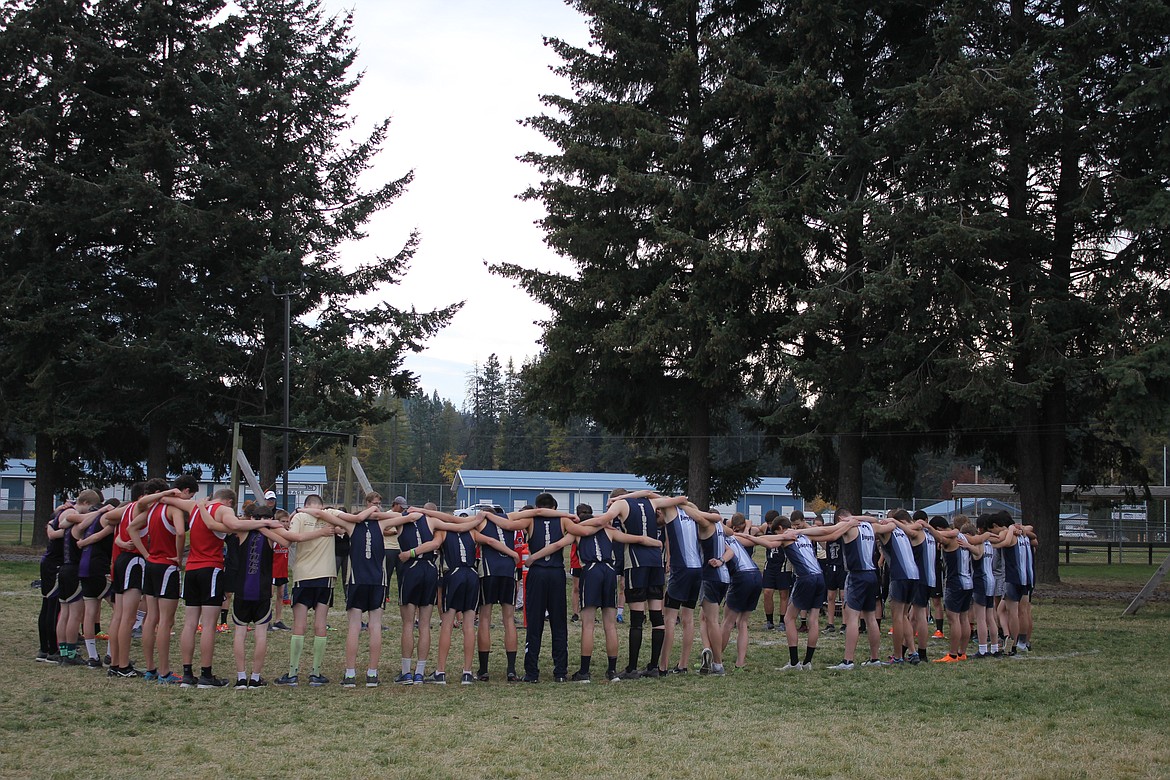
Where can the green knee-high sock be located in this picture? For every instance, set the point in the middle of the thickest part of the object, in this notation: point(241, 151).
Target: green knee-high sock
point(318, 653)
point(296, 646)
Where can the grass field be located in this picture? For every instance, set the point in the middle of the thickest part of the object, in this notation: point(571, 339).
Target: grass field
point(1090, 701)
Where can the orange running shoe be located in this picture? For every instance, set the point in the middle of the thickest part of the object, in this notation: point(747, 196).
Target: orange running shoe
point(962, 657)
point(222, 628)
point(937, 634)
point(946, 659)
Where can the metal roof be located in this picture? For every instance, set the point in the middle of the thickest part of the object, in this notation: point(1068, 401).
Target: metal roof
point(572, 480)
point(1069, 492)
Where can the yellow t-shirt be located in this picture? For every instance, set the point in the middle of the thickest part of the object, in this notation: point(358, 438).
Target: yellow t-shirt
point(314, 558)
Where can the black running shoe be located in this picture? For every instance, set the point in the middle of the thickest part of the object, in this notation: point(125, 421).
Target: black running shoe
point(93, 663)
point(189, 681)
point(208, 682)
point(241, 685)
point(651, 672)
point(581, 677)
point(253, 683)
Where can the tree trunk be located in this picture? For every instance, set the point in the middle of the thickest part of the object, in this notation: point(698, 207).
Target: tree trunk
point(46, 484)
point(850, 456)
point(699, 458)
point(156, 450)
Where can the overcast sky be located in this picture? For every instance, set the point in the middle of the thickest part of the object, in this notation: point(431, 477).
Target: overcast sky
point(456, 76)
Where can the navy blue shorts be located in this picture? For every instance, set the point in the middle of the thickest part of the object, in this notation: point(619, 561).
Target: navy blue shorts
point(598, 586)
point(461, 590)
point(494, 589)
point(203, 587)
point(957, 599)
point(861, 591)
point(988, 601)
point(834, 577)
point(367, 598)
point(922, 594)
point(902, 591)
point(808, 593)
point(682, 589)
point(644, 583)
point(778, 580)
point(314, 592)
point(744, 593)
point(1016, 592)
point(420, 584)
point(713, 592)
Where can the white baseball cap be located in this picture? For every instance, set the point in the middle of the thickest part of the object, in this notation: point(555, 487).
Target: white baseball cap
point(270, 494)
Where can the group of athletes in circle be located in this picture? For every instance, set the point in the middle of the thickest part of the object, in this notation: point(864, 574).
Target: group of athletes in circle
point(671, 557)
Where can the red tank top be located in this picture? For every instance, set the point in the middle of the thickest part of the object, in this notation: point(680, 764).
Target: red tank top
point(206, 545)
point(280, 561)
point(123, 534)
point(161, 544)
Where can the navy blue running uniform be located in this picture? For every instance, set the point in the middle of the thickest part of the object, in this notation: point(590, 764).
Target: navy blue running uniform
point(460, 583)
point(420, 575)
point(366, 586)
point(861, 582)
point(546, 593)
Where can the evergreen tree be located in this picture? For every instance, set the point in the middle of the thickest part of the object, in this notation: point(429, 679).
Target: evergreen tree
point(646, 196)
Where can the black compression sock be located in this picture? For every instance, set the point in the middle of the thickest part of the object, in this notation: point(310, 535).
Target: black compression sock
point(483, 661)
point(938, 623)
point(585, 661)
point(657, 635)
point(808, 654)
point(223, 616)
point(637, 618)
point(205, 671)
point(793, 655)
point(187, 670)
point(511, 661)
point(611, 664)
point(769, 616)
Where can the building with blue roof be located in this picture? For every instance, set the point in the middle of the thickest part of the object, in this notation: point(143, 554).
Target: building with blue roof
point(18, 484)
point(515, 489)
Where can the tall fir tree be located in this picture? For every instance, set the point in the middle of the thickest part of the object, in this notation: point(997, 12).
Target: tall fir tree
point(652, 334)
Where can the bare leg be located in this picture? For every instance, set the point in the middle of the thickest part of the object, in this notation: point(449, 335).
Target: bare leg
point(166, 621)
point(424, 631)
point(688, 637)
point(484, 632)
point(260, 651)
point(588, 616)
point(511, 637)
point(851, 632)
point(446, 626)
point(191, 616)
point(609, 625)
point(468, 639)
point(375, 632)
point(239, 638)
point(407, 612)
point(874, 634)
point(150, 632)
point(668, 616)
point(741, 641)
point(352, 636)
point(209, 616)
